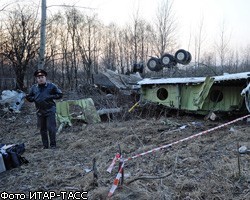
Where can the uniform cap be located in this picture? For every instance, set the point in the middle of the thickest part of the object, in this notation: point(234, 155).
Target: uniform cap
point(40, 72)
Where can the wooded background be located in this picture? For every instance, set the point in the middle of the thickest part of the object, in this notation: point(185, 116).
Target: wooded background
point(79, 45)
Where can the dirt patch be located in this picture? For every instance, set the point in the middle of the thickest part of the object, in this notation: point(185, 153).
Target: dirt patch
point(207, 167)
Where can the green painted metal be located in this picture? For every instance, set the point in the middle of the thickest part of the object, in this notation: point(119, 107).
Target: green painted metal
point(231, 101)
point(186, 97)
point(200, 97)
point(88, 111)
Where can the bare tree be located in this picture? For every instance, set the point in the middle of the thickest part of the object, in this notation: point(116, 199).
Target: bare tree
point(199, 40)
point(222, 46)
point(74, 18)
point(2, 35)
point(144, 35)
point(245, 64)
point(4, 6)
point(121, 51)
point(208, 62)
point(135, 36)
point(125, 50)
point(110, 50)
point(64, 48)
point(165, 27)
point(140, 34)
point(53, 51)
point(88, 40)
point(21, 44)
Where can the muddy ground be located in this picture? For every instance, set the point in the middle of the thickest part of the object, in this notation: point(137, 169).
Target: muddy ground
point(205, 167)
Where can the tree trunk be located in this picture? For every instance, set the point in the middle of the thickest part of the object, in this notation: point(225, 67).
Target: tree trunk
point(19, 71)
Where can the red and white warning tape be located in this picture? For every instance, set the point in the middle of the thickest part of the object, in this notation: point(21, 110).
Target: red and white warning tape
point(116, 181)
point(185, 139)
point(163, 147)
point(116, 158)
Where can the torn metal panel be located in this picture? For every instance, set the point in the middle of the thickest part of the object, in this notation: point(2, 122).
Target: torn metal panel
point(62, 113)
point(103, 81)
point(204, 90)
point(86, 111)
point(111, 79)
point(123, 81)
point(116, 79)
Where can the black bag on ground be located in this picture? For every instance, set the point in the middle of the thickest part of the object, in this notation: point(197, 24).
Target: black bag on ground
point(7, 161)
point(14, 158)
point(17, 148)
point(15, 161)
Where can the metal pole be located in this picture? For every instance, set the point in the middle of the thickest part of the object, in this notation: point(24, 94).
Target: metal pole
point(42, 36)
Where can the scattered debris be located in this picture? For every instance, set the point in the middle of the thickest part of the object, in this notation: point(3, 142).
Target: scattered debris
point(212, 116)
point(82, 109)
point(108, 110)
point(110, 81)
point(197, 168)
point(232, 130)
point(87, 170)
point(12, 100)
point(243, 150)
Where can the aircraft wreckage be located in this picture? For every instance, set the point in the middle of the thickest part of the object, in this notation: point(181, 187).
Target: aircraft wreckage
point(201, 95)
point(225, 93)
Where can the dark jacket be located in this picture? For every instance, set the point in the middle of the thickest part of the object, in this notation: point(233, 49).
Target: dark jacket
point(43, 96)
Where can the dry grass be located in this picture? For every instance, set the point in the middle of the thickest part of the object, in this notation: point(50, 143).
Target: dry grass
point(204, 168)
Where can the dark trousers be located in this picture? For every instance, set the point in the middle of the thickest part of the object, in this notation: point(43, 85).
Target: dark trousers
point(48, 124)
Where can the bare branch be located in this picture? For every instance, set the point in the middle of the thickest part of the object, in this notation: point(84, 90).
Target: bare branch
point(6, 6)
point(73, 6)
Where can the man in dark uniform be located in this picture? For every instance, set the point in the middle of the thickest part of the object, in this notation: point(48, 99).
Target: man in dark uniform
point(43, 94)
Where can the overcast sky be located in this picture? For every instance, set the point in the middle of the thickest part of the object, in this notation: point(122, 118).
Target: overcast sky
point(234, 14)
